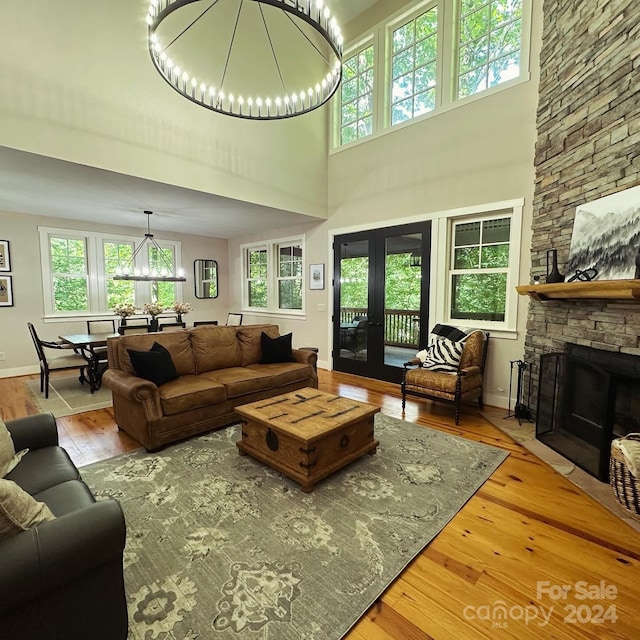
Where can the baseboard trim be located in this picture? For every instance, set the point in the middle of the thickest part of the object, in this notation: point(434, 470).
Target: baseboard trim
point(19, 371)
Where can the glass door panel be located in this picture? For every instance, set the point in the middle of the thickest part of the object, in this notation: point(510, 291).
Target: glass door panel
point(402, 296)
point(353, 299)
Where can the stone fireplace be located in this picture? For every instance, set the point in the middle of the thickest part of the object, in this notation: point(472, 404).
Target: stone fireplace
point(588, 146)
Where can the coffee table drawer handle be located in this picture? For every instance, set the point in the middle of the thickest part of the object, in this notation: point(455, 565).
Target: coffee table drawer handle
point(272, 440)
point(344, 442)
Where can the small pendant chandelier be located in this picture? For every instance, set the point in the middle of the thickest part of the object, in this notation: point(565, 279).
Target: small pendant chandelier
point(251, 59)
point(164, 274)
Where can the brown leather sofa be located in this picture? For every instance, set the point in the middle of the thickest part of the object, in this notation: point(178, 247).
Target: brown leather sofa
point(219, 369)
point(61, 579)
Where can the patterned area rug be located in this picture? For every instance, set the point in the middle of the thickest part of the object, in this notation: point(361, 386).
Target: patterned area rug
point(221, 546)
point(68, 397)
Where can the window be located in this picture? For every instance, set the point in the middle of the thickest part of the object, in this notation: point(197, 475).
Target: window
point(274, 276)
point(413, 67)
point(258, 271)
point(480, 260)
point(489, 44)
point(118, 291)
point(69, 274)
point(290, 276)
point(357, 96)
point(427, 58)
point(77, 270)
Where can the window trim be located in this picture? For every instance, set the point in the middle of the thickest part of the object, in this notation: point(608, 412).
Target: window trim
point(272, 276)
point(97, 292)
point(442, 264)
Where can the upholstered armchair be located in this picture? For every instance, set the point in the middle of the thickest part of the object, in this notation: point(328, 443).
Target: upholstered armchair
point(462, 384)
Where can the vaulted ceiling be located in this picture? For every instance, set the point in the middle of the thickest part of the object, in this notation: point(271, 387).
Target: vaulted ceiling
point(41, 185)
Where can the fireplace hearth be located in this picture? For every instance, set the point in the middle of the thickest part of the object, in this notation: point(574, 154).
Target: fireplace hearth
point(586, 398)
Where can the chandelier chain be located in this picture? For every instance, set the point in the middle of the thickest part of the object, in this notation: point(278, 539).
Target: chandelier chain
point(191, 24)
point(273, 51)
point(233, 37)
point(297, 26)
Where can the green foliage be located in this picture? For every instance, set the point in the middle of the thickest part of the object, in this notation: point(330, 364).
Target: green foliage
point(257, 294)
point(70, 293)
point(489, 44)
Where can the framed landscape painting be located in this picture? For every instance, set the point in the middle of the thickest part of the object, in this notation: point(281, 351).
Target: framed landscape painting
point(606, 236)
point(6, 291)
point(5, 258)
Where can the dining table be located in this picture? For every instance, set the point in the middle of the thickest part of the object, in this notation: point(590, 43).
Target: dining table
point(92, 347)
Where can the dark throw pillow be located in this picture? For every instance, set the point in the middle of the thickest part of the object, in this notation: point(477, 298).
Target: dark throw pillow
point(155, 365)
point(276, 349)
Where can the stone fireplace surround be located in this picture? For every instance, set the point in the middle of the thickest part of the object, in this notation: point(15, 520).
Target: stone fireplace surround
point(588, 146)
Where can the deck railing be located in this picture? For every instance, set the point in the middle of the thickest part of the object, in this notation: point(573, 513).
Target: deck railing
point(401, 327)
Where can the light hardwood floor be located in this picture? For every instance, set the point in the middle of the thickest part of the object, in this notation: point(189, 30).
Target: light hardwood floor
point(527, 529)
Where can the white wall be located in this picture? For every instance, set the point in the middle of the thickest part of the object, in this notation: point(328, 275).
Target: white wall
point(79, 85)
point(477, 153)
point(22, 232)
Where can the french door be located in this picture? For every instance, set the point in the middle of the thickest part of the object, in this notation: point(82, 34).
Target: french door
point(381, 299)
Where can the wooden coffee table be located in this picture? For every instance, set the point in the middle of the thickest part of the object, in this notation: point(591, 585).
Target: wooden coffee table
point(307, 434)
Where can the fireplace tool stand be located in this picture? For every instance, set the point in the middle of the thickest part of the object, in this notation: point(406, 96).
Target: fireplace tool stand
point(521, 410)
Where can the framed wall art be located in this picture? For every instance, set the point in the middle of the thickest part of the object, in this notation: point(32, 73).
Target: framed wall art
point(316, 276)
point(5, 258)
point(6, 291)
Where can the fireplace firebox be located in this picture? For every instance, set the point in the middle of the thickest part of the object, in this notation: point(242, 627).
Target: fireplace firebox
point(586, 398)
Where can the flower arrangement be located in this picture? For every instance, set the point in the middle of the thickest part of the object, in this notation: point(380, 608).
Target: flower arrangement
point(124, 310)
point(153, 309)
point(181, 307)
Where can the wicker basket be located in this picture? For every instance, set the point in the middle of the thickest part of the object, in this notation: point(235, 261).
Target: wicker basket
point(626, 487)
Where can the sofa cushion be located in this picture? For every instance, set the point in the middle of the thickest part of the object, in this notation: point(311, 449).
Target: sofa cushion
point(8, 456)
point(250, 339)
point(44, 468)
point(18, 510)
point(155, 365)
point(276, 349)
point(240, 381)
point(285, 373)
point(66, 497)
point(190, 392)
point(177, 344)
point(215, 348)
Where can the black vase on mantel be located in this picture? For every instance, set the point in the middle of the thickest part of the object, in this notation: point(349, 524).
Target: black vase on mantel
point(154, 325)
point(553, 275)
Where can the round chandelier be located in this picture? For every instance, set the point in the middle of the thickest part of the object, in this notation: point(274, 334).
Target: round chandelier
point(252, 59)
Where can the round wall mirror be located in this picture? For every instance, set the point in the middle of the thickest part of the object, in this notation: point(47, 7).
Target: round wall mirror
point(206, 278)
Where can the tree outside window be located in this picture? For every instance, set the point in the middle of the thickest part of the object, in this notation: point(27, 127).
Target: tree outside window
point(290, 277)
point(69, 274)
point(480, 266)
point(258, 271)
point(164, 293)
point(489, 44)
point(413, 67)
point(357, 96)
point(115, 255)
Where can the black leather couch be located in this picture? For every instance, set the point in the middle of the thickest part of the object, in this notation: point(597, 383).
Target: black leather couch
point(63, 579)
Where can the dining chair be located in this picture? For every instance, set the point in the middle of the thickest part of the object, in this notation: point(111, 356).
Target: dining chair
point(101, 326)
point(59, 363)
point(172, 326)
point(98, 360)
point(133, 328)
point(198, 323)
point(234, 319)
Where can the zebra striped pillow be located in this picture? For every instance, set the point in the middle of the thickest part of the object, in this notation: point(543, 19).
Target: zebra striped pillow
point(443, 355)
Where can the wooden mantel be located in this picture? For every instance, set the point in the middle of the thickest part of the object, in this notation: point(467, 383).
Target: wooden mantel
point(595, 290)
